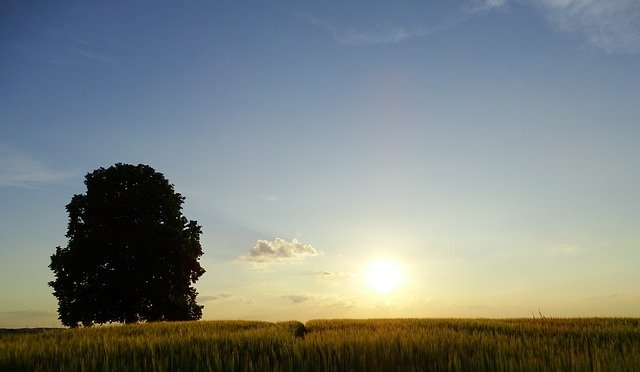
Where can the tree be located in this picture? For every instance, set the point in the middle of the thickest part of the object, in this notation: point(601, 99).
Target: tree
point(132, 256)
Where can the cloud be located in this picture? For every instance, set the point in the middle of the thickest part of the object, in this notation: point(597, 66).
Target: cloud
point(483, 5)
point(81, 39)
point(29, 313)
point(298, 298)
point(20, 170)
point(477, 306)
point(612, 25)
point(94, 56)
point(320, 300)
point(566, 250)
point(226, 297)
point(219, 296)
point(614, 296)
point(377, 35)
point(276, 198)
point(605, 297)
point(333, 278)
point(396, 26)
point(278, 251)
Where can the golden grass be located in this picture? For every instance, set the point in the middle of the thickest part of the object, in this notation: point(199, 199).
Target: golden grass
point(340, 344)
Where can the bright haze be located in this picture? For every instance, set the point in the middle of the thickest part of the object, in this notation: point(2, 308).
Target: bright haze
point(400, 159)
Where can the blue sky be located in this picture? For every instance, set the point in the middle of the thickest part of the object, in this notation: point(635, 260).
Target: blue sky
point(488, 148)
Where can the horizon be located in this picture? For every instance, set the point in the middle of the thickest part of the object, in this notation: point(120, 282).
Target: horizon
point(448, 159)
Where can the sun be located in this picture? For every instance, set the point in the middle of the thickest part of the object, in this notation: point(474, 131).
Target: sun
point(383, 276)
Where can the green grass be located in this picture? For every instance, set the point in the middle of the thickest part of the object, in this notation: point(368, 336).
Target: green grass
point(373, 344)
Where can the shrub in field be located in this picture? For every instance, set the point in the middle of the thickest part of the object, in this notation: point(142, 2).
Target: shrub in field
point(297, 328)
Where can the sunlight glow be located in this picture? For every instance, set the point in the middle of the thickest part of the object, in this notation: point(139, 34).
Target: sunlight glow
point(383, 276)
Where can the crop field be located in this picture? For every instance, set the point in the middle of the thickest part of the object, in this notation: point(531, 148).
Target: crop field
point(340, 345)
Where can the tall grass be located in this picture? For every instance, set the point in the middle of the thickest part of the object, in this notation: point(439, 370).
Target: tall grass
point(373, 344)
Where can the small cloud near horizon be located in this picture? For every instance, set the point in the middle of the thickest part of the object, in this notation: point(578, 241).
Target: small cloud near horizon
point(233, 297)
point(219, 296)
point(278, 251)
point(323, 300)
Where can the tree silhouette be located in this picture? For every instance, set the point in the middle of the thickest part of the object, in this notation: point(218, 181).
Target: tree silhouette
point(132, 256)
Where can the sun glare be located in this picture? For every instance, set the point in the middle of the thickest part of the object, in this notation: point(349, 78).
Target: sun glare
point(383, 276)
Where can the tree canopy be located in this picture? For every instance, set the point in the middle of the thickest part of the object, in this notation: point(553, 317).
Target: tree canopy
point(131, 256)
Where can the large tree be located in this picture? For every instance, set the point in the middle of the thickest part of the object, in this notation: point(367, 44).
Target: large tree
point(132, 256)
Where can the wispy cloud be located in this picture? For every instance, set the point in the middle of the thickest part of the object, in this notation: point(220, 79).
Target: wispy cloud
point(226, 297)
point(333, 278)
point(75, 48)
point(276, 198)
point(320, 300)
point(612, 25)
point(29, 313)
point(278, 251)
point(63, 52)
point(78, 41)
point(614, 296)
point(20, 170)
point(567, 250)
point(394, 25)
point(483, 5)
point(94, 56)
point(379, 35)
point(214, 297)
point(602, 297)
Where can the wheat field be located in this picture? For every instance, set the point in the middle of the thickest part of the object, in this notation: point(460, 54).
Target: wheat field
point(336, 345)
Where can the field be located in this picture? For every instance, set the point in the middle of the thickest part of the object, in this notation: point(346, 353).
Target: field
point(339, 345)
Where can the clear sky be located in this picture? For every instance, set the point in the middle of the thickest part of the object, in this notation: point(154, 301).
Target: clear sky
point(481, 157)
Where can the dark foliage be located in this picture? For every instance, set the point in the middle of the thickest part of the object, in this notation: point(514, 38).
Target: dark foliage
point(132, 256)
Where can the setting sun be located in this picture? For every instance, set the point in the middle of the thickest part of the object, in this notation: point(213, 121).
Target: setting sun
point(383, 276)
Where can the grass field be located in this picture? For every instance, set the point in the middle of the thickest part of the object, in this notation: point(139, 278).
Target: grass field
point(341, 345)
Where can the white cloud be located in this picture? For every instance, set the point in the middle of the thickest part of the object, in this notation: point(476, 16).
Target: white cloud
point(381, 35)
point(612, 25)
point(279, 250)
point(484, 5)
point(19, 170)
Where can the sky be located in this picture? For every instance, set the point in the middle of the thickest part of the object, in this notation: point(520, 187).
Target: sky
point(465, 158)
